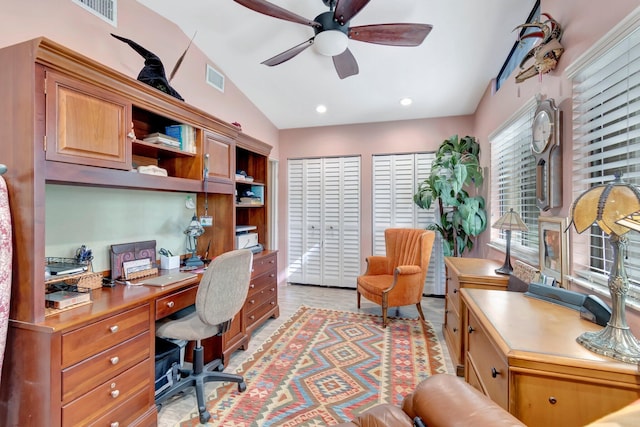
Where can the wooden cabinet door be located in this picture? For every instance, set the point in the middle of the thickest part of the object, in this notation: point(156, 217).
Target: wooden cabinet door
point(219, 159)
point(85, 124)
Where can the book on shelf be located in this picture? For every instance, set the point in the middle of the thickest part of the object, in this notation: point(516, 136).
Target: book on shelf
point(160, 138)
point(186, 134)
point(63, 299)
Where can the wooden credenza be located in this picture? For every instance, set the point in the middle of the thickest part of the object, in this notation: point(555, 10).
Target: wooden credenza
point(522, 353)
point(465, 273)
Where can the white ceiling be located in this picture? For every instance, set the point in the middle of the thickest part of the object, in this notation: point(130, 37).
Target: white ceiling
point(445, 76)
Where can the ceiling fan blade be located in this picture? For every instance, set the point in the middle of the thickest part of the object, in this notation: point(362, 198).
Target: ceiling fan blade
point(345, 64)
point(288, 54)
point(347, 9)
point(266, 8)
point(391, 34)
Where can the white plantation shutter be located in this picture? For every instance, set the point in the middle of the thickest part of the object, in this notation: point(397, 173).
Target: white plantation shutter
point(513, 181)
point(324, 221)
point(606, 123)
point(395, 181)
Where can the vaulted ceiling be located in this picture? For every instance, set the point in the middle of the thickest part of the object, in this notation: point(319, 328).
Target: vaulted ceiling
point(445, 76)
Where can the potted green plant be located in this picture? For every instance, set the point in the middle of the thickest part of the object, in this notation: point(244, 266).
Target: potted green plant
point(461, 216)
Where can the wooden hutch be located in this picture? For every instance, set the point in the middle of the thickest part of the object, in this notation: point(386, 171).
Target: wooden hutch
point(66, 119)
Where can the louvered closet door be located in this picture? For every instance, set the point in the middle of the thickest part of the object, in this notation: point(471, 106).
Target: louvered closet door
point(395, 181)
point(324, 221)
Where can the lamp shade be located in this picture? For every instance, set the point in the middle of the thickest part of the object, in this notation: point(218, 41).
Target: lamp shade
point(604, 205)
point(510, 221)
point(330, 42)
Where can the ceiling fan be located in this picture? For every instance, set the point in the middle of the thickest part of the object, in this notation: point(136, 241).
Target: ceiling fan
point(332, 32)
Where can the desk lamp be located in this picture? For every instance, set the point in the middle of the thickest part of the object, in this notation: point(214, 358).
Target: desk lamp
point(193, 231)
point(609, 206)
point(509, 222)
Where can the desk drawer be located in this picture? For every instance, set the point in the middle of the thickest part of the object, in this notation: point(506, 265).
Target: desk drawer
point(96, 337)
point(125, 414)
point(260, 309)
point(261, 283)
point(85, 375)
point(263, 264)
point(490, 366)
point(453, 291)
point(175, 301)
point(107, 396)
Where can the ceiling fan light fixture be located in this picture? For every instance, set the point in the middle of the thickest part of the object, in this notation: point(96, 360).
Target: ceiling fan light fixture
point(330, 42)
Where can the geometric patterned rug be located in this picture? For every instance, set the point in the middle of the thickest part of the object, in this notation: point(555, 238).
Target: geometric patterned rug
point(323, 367)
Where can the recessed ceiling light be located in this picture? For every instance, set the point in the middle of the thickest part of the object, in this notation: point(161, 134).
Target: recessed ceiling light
point(406, 101)
point(321, 109)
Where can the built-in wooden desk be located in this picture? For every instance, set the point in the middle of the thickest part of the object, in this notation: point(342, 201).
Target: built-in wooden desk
point(522, 353)
point(95, 364)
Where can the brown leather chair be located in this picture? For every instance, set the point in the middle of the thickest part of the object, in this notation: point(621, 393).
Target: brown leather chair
point(397, 279)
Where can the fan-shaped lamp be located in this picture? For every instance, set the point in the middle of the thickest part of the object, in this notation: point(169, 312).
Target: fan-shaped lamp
point(193, 231)
point(509, 222)
point(611, 207)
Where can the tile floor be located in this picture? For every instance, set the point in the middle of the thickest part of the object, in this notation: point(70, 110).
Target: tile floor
point(290, 298)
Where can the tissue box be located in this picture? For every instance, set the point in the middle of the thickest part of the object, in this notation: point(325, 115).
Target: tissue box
point(169, 262)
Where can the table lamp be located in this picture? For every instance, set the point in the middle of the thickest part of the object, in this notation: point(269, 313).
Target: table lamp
point(509, 222)
point(193, 231)
point(610, 206)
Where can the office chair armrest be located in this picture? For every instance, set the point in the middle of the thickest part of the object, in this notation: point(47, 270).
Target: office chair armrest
point(377, 264)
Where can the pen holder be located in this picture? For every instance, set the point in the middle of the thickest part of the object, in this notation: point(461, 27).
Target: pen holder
point(169, 262)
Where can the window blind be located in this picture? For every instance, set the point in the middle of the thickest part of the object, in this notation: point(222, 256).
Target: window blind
point(606, 123)
point(513, 181)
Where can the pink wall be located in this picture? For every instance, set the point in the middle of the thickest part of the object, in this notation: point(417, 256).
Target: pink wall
point(68, 24)
point(364, 140)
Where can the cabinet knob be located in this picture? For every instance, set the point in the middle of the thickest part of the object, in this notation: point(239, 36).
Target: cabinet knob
point(114, 329)
point(115, 393)
point(455, 290)
point(455, 329)
point(114, 424)
point(114, 360)
point(170, 304)
point(273, 261)
point(252, 286)
point(553, 400)
point(272, 275)
point(494, 372)
point(252, 301)
point(471, 329)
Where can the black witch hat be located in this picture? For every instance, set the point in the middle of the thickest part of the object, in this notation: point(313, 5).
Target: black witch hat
point(153, 71)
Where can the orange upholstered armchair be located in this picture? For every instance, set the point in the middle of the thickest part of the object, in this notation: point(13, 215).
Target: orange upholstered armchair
point(397, 279)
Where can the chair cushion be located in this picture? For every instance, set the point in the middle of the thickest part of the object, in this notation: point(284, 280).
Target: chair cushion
point(189, 327)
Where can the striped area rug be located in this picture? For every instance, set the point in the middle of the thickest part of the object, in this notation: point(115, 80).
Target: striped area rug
point(322, 367)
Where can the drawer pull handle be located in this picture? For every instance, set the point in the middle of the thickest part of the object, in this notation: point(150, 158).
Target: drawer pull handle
point(272, 262)
point(170, 304)
point(471, 329)
point(115, 393)
point(114, 360)
point(494, 372)
point(455, 290)
point(252, 301)
point(273, 303)
point(114, 329)
point(114, 424)
point(272, 275)
point(553, 400)
point(455, 330)
point(252, 285)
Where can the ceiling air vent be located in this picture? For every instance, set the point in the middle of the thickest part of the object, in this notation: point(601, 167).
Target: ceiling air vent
point(105, 9)
point(215, 78)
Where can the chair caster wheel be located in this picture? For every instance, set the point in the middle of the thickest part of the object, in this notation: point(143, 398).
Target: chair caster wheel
point(242, 386)
point(204, 417)
point(220, 367)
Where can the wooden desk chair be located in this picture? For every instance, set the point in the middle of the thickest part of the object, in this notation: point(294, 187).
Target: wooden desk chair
point(221, 294)
point(397, 279)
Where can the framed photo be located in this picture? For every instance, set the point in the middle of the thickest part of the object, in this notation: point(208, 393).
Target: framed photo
point(554, 247)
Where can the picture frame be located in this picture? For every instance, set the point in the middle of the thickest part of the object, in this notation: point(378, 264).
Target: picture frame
point(553, 247)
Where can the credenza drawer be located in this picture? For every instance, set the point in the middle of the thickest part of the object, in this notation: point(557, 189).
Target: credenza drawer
point(257, 312)
point(83, 376)
point(453, 291)
point(96, 337)
point(176, 301)
point(490, 366)
point(263, 264)
point(261, 283)
point(452, 328)
point(107, 396)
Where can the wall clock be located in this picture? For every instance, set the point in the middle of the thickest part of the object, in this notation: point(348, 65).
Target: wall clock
point(546, 135)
